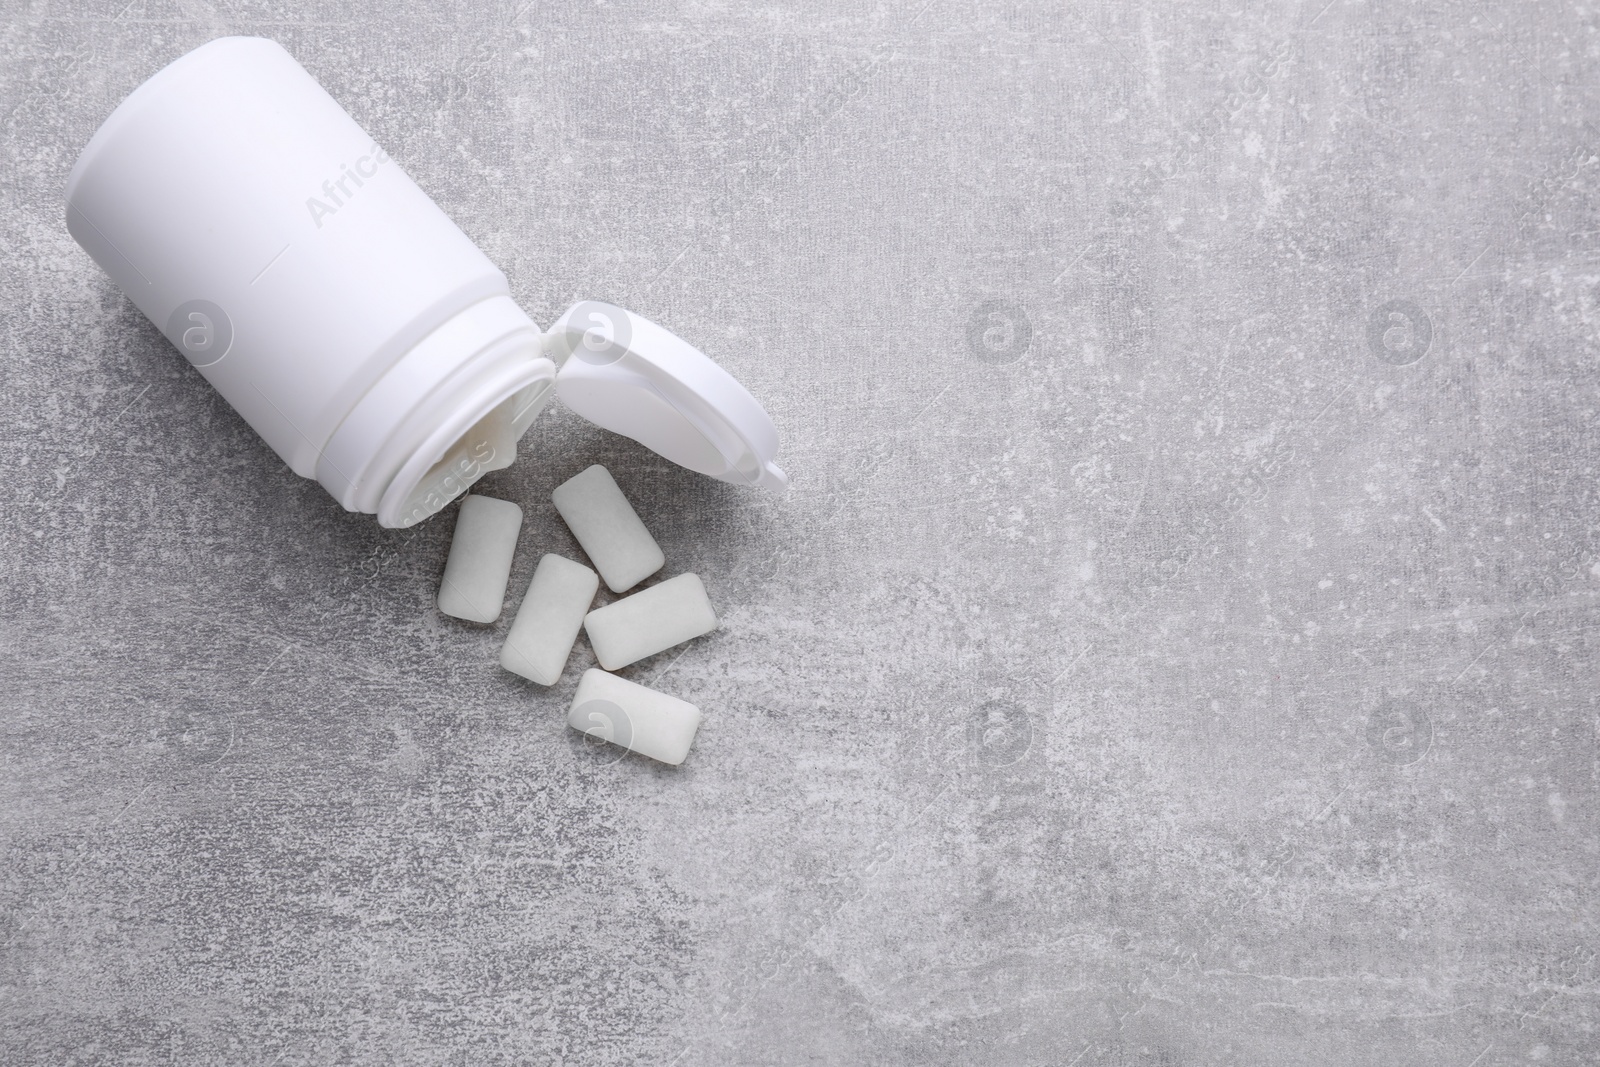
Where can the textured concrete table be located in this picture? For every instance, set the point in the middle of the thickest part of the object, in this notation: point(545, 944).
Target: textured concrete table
point(1177, 646)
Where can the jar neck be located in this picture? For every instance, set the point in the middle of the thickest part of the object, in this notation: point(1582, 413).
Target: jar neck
point(448, 411)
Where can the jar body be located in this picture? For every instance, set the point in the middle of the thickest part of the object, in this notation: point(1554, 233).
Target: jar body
point(306, 275)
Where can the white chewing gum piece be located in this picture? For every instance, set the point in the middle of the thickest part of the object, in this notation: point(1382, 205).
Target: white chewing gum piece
point(607, 527)
point(626, 713)
point(647, 622)
point(475, 575)
point(548, 619)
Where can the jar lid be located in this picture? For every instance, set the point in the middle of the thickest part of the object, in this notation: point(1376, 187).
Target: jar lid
point(622, 372)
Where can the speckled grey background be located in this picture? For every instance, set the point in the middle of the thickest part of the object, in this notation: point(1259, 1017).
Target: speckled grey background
point(1177, 647)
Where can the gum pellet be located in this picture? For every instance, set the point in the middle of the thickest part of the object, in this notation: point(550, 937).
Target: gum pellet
point(648, 622)
point(475, 575)
point(607, 527)
point(625, 713)
point(548, 619)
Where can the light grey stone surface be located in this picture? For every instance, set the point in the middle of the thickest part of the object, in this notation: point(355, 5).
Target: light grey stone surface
point(1148, 666)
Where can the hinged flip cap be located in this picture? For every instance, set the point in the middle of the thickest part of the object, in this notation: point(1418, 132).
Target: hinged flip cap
point(625, 373)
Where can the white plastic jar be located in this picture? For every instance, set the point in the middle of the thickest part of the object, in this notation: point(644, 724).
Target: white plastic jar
point(344, 316)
